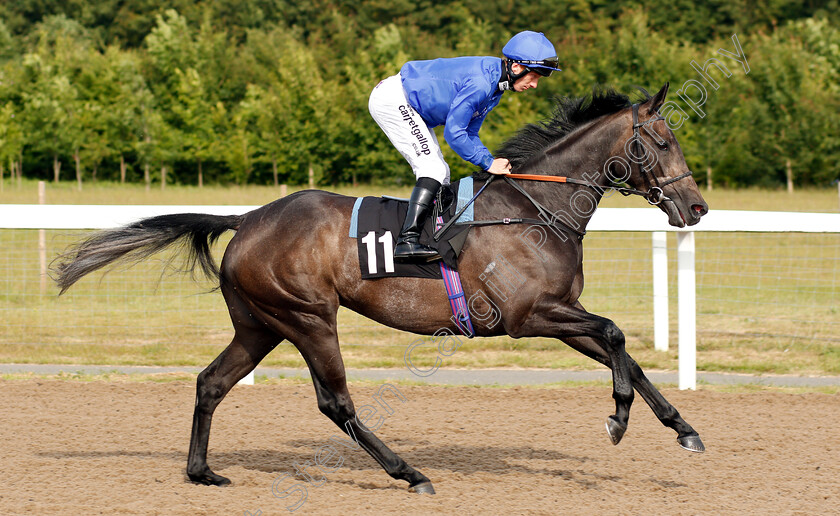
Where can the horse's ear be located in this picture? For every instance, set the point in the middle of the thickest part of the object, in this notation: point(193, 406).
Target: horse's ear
point(653, 103)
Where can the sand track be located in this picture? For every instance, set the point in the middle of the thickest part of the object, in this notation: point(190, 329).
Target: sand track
point(72, 447)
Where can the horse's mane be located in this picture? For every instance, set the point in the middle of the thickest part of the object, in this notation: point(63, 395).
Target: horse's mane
point(569, 114)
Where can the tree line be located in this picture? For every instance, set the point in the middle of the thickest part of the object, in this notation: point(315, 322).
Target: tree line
point(275, 91)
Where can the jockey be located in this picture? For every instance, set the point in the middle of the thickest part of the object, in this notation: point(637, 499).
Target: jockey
point(456, 93)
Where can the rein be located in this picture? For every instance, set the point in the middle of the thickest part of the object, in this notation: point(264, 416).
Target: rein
point(621, 189)
point(573, 181)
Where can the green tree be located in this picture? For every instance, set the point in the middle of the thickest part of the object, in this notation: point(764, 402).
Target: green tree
point(47, 115)
point(193, 110)
point(8, 44)
point(302, 95)
point(235, 148)
point(12, 126)
point(51, 98)
point(170, 48)
point(265, 111)
point(796, 107)
point(11, 139)
point(125, 97)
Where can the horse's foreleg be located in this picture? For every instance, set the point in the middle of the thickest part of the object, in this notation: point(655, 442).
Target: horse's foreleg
point(565, 322)
point(687, 437)
point(664, 411)
point(241, 356)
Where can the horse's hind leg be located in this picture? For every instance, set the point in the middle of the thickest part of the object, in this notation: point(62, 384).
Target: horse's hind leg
point(323, 357)
point(246, 350)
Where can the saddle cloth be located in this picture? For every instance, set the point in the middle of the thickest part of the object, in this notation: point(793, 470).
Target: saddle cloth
point(376, 224)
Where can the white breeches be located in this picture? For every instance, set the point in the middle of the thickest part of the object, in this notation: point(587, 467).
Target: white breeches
point(407, 131)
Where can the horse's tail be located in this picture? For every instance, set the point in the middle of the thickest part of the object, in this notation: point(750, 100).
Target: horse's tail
point(135, 242)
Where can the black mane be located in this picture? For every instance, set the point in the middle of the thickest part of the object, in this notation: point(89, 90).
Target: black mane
point(569, 114)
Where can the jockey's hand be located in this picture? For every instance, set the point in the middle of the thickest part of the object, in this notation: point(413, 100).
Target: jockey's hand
point(499, 167)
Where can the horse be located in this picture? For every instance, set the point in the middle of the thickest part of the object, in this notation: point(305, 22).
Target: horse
point(291, 265)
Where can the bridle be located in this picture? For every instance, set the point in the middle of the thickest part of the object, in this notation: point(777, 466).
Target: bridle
point(654, 194)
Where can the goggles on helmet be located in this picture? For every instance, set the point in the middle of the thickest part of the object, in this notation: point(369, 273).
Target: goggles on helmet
point(543, 67)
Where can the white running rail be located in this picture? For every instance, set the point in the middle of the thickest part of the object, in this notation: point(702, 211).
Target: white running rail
point(34, 216)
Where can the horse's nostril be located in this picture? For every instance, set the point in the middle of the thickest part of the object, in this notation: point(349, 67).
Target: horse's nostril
point(699, 209)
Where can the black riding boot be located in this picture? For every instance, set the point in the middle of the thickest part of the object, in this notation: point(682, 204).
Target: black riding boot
point(408, 248)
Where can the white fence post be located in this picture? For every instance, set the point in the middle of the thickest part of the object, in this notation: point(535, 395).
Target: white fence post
point(248, 380)
point(42, 239)
point(660, 290)
point(687, 311)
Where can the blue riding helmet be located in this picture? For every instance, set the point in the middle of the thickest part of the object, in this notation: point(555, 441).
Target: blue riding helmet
point(533, 51)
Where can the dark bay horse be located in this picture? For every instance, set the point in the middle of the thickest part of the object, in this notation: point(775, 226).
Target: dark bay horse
point(291, 265)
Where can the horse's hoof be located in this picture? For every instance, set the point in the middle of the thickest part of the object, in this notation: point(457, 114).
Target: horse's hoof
point(208, 478)
point(422, 488)
point(691, 443)
point(615, 429)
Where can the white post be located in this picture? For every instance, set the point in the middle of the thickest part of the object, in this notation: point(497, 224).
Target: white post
point(687, 311)
point(42, 239)
point(660, 290)
point(248, 380)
